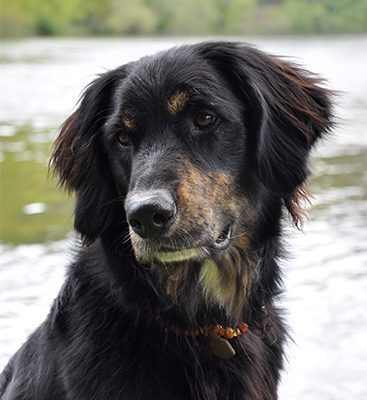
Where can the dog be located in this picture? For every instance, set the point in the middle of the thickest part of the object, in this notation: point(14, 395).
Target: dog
point(185, 165)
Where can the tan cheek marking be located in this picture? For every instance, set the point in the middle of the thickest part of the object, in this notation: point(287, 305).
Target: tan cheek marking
point(201, 195)
point(192, 195)
point(177, 101)
point(222, 190)
point(128, 122)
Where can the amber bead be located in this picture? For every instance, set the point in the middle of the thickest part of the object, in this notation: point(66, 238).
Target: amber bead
point(229, 333)
point(216, 329)
point(222, 331)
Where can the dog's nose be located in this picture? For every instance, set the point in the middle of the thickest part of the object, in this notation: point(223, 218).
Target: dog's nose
point(150, 214)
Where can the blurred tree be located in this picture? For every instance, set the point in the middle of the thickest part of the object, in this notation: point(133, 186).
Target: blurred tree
point(96, 13)
point(16, 17)
point(137, 19)
point(51, 17)
point(187, 17)
point(327, 16)
point(231, 13)
point(55, 17)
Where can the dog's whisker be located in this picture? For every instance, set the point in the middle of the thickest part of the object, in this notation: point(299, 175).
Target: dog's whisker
point(238, 235)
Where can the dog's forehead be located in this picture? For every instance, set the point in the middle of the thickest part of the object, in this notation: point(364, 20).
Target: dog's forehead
point(172, 80)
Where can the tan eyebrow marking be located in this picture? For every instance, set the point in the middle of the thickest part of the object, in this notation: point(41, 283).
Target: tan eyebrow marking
point(128, 122)
point(177, 101)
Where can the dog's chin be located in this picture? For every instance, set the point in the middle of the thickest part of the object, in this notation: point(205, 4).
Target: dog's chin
point(180, 255)
point(148, 253)
point(170, 256)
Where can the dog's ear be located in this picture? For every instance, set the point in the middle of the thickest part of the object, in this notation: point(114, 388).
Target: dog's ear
point(286, 110)
point(80, 160)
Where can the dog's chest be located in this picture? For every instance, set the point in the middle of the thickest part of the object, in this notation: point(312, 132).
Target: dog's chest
point(145, 370)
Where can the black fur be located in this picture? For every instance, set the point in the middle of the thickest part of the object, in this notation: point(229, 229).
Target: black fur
point(100, 340)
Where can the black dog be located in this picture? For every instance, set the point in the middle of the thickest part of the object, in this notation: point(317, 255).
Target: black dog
point(184, 164)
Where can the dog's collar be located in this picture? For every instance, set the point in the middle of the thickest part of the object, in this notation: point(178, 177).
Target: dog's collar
point(217, 334)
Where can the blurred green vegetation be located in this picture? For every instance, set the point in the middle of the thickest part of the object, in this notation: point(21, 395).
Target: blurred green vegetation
point(186, 17)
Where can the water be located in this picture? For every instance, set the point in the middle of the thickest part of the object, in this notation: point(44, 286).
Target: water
point(326, 278)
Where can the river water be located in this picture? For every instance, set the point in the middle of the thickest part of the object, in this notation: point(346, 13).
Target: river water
point(326, 276)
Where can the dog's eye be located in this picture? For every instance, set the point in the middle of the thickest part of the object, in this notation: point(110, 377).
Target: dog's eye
point(124, 139)
point(204, 120)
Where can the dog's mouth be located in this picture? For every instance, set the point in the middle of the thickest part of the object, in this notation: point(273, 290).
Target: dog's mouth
point(224, 238)
point(221, 243)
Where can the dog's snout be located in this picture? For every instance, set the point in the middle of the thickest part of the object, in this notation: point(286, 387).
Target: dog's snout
point(150, 214)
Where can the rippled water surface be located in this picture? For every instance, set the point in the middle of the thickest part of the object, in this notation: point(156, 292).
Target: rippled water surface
point(326, 277)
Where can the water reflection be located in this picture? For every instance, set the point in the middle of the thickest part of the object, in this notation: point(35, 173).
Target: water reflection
point(33, 211)
point(325, 278)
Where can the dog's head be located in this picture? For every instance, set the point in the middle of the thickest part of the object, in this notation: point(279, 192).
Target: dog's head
point(198, 148)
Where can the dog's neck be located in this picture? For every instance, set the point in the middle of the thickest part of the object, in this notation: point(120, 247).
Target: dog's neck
point(194, 293)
